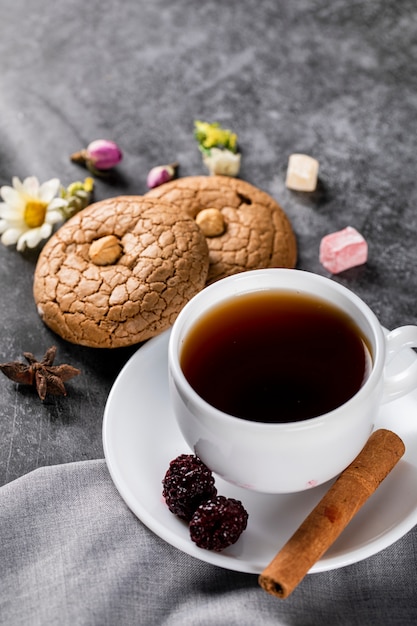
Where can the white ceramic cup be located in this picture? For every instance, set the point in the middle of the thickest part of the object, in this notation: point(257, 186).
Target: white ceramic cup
point(294, 456)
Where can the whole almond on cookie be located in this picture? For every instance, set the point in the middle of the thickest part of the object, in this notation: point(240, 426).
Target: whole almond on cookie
point(256, 232)
point(106, 250)
point(120, 271)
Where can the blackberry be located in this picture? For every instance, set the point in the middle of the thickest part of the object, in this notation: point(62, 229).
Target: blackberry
point(187, 483)
point(218, 523)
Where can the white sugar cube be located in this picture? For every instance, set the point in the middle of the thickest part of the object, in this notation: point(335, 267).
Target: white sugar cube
point(302, 172)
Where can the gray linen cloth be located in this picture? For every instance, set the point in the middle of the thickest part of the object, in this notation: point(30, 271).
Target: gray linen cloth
point(72, 553)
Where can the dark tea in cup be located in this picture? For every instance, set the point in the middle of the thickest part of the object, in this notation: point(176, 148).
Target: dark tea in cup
point(275, 356)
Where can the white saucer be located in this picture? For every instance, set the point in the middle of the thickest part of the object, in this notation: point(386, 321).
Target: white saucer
point(141, 437)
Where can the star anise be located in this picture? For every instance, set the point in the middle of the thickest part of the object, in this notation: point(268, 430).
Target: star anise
point(46, 377)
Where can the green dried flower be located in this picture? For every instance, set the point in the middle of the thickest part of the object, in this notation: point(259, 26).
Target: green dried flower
point(78, 195)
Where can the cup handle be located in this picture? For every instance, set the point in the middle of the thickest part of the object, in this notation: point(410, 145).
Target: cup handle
point(404, 381)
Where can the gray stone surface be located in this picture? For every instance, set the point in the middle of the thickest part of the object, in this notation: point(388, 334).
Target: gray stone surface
point(334, 80)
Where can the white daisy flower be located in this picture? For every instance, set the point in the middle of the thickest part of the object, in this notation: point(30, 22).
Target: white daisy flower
point(29, 211)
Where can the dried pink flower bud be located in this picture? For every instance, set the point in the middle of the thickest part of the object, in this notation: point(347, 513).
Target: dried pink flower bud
point(161, 174)
point(100, 155)
point(103, 154)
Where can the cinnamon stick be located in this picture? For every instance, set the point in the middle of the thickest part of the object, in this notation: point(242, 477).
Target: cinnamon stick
point(332, 514)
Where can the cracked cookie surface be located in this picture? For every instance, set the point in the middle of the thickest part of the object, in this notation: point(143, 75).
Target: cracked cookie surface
point(163, 262)
point(257, 233)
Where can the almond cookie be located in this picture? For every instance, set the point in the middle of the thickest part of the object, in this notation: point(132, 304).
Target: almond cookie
point(247, 229)
point(120, 271)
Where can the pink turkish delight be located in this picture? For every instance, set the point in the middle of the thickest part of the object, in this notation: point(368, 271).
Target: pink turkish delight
point(342, 250)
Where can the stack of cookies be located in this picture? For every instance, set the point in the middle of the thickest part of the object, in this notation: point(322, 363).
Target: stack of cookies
point(120, 271)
